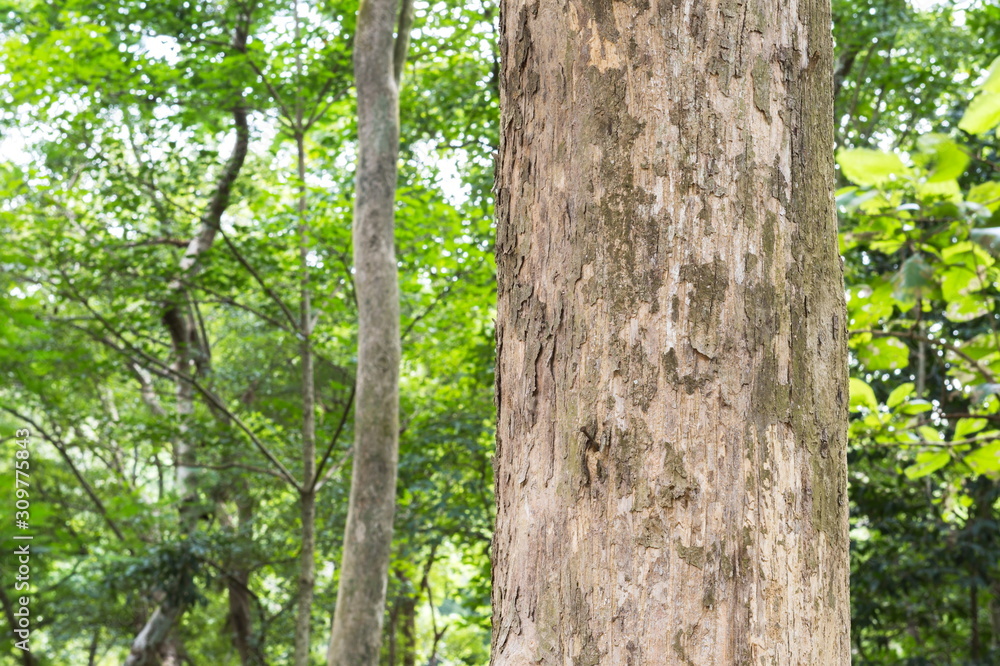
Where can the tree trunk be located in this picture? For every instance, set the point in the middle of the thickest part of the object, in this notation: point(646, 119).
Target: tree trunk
point(357, 625)
point(307, 496)
point(180, 324)
point(671, 372)
point(240, 618)
point(408, 630)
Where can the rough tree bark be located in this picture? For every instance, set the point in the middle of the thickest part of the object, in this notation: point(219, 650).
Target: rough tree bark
point(671, 374)
point(378, 65)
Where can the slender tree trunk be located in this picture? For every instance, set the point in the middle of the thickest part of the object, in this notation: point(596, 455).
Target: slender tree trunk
point(994, 608)
point(408, 630)
point(671, 373)
point(240, 618)
point(183, 333)
point(357, 625)
point(307, 497)
point(391, 634)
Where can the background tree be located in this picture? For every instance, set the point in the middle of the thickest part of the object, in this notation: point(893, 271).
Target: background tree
point(379, 60)
point(136, 194)
point(919, 244)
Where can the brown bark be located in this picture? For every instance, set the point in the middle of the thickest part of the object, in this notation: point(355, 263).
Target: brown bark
point(408, 630)
point(357, 626)
point(240, 617)
point(671, 372)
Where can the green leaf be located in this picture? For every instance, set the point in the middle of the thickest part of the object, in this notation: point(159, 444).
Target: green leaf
point(959, 282)
point(884, 354)
point(966, 427)
point(899, 394)
point(944, 190)
point(914, 407)
point(985, 460)
point(942, 157)
point(927, 463)
point(913, 278)
point(930, 434)
point(862, 395)
point(868, 168)
point(987, 194)
point(992, 82)
point(966, 308)
point(983, 113)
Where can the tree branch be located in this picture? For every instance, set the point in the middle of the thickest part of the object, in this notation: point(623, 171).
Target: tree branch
point(314, 482)
point(944, 344)
point(61, 448)
point(402, 45)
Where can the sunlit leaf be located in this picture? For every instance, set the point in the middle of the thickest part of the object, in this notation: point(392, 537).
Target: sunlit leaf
point(884, 354)
point(899, 394)
point(985, 460)
point(914, 407)
point(992, 82)
point(942, 157)
point(966, 308)
point(944, 190)
point(966, 427)
point(930, 434)
point(927, 463)
point(867, 167)
point(862, 395)
point(983, 113)
point(987, 194)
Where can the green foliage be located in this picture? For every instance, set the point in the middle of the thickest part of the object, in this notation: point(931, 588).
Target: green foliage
point(919, 238)
point(117, 121)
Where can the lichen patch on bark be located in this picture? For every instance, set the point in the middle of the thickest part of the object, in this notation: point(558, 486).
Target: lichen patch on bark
point(671, 357)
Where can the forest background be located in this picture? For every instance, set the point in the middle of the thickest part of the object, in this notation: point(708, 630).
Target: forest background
point(121, 124)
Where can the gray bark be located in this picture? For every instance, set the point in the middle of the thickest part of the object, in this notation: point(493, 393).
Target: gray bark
point(357, 625)
point(307, 494)
point(671, 373)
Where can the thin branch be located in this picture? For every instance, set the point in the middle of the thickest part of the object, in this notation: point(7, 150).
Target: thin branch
point(937, 342)
point(251, 468)
point(314, 485)
point(176, 242)
point(168, 372)
point(271, 89)
point(402, 45)
point(437, 300)
point(61, 448)
point(259, 280)
point(319, 112)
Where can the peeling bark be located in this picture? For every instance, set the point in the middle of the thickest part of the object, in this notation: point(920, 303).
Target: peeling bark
point(671, 375)
point(357, 626)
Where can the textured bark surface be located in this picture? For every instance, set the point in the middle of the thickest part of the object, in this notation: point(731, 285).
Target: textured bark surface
point(671, 374)
point(357, 625)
